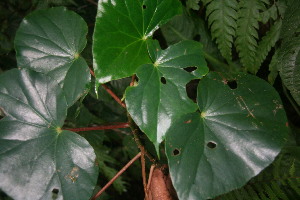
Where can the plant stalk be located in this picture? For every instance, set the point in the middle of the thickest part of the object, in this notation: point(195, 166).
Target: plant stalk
point(117, 175)
point(96, 128)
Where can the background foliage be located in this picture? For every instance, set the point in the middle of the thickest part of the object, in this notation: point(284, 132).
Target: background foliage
point(236, 36)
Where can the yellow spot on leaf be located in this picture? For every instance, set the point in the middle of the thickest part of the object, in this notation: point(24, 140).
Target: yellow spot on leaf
point(76, 55)
point(203, 114)
point(58, 130)
point(73, 175)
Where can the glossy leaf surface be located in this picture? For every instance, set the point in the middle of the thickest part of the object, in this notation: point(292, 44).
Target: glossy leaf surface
point(239, 130)
point(289, 52)
point(38, 160)
point(160, 96)
point(50, 41)
point(121, 31)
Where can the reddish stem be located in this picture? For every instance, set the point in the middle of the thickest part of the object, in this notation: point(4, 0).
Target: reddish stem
point(109, 91)
point(117, 175)
point(95, 128)
point(132, 80)
point(92, 72)
point(113, 95)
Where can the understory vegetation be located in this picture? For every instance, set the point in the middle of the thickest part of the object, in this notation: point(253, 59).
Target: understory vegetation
point(198, 99)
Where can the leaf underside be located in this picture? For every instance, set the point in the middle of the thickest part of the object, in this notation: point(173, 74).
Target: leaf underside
point(239, 131)
point(50, 41)
point(38, 160)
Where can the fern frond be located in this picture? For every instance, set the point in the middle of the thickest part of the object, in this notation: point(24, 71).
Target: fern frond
point(205, 2)
point(109, 173)
point(222, 16)
point(279, 181)
point(247, 26)
point(252, 192)
point(265, 45)
point(270, 13)
point(273, 68)
point(295, 185)
point(193, 4)
point(273, 190)
point(280, 193)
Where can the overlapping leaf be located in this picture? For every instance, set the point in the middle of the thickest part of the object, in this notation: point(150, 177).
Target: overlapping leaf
point(38, 160)
point(121, 30)
point(239, 130)
point(50, 41)
point(289, 52)
point(160, 96)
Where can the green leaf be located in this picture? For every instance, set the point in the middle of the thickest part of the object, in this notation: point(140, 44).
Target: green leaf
point(121, 31)
point(247, 36)
point(160, 96)
point(50, 41)
point(38, 160)
point(289, 52)
point(237, 133)
point(222, 16)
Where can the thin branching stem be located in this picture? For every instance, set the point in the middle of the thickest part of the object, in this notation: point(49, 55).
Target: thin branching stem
point(117, 175)
point(132, 80)
point(135, 132)
point(103, 127)
point(109, 91)
point(144, 173)
point(114, 96)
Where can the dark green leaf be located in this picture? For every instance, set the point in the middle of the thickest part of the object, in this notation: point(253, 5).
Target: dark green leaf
point(160, 96)
point(289, 52)
point(38, 160)
point(50, 41)
point(121, 31)
point(239, 130)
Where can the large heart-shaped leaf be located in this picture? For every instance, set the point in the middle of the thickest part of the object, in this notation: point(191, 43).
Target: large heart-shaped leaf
point(160, 96)
point(38, 160)
point(50, 41)
point(121, 31)
point(289, 52)
point(237, 133)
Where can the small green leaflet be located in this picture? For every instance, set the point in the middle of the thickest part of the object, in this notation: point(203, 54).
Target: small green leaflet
point(121, 31)
point(38, 160)
point(239, 131)
point(50, 41)
point(160, 96)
